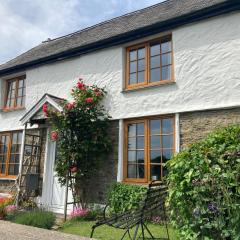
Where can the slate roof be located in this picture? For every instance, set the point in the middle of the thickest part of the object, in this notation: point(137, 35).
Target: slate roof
point(110, 30)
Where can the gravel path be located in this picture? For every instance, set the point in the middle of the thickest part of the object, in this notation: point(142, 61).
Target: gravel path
point(11, 231)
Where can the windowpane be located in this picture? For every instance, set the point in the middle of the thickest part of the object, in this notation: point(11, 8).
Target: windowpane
point(140, 156)
point(140, 143)
point(141, 77)
point(155, 49)
point(155, 75)
point(167, 154)
point(132, 143)
point(133, 67)
point(156, 172)
point(155, 156)
point(133, 55)
point(16, 169)
point(132, 130)
point(155, 126)
point(141, 53)
point(133, 78)
point(140, 129)
point(131, 156)
point(167, 126)
point(166, 73)
point(141, 65)
point(136, 171)
point(155, 62)
point(155, 142)
point(166, 46)
point(167, 141)
point(166, 59)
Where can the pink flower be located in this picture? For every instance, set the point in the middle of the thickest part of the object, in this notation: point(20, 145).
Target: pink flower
point(70, 106)
point(45, 109)
point(10, 208)
point(79, 212)
point(81, 86)
point(54, 135)
point(89, 100)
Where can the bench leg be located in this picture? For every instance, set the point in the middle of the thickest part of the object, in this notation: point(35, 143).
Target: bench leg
point(93, 228)
point(148, 231)
point(125, 235)
point(136, 231)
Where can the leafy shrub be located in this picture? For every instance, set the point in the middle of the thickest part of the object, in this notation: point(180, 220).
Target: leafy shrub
point(204, 189)
point(123, 197)
point(38, 218)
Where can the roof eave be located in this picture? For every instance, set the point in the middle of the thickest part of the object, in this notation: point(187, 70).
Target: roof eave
point(213, 11)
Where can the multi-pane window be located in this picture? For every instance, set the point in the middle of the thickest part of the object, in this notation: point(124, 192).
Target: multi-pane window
point(15, 93)
point(150, 63)
point(149, 143)
point(10, 150)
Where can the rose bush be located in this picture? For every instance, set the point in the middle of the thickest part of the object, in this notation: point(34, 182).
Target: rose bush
point(81, 132)
point(204, 187)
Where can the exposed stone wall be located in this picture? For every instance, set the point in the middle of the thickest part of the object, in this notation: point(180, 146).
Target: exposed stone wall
point(196, 125)
point(7, 186)
point(107, 173)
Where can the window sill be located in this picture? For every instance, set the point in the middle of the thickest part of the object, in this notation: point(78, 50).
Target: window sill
point(158, 84)
point(10, 178)
point(12, 109)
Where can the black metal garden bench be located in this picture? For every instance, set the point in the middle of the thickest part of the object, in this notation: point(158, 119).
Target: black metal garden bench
point(153, 203)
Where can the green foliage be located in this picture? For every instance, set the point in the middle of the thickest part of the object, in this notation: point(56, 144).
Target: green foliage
point(81, 131)
point(204, 187)
point(38, 218)
point(123, 197)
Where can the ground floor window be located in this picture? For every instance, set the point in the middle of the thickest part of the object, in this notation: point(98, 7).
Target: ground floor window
point(149, 143)
point(10, 150)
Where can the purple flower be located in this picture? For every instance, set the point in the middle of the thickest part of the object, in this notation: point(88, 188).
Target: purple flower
point(10, 208)
point(79, 212)
point(212, 207)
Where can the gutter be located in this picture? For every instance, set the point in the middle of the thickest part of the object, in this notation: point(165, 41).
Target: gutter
point(219, 9)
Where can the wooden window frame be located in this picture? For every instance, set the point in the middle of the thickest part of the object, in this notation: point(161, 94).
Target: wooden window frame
point(10, 134)
point(15, 107)
point(147, 82)
point(147, 162)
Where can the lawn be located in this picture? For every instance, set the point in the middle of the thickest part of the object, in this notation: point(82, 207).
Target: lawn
point(109, 233)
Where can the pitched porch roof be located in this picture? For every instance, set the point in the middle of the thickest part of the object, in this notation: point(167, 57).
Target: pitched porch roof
point(35, 113)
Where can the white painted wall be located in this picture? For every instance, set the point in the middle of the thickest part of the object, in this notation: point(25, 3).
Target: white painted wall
point(207, 74)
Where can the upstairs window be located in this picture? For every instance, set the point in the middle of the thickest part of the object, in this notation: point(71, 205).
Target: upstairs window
point(150, 63)
point(15, 93)
point(10, 149)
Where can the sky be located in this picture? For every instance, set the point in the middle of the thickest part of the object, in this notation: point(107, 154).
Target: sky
point(26, 23)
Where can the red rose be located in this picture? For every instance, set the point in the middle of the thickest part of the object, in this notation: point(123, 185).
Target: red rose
point(70, 106)
point(89, 100)
point(73, 169)
point(80, 86)
point(54, 136)
point(45, 109)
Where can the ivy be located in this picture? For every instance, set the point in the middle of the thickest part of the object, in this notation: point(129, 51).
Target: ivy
point(204, 192)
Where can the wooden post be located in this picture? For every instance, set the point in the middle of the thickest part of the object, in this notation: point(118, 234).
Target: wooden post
point(66, 199)
point(19, 179)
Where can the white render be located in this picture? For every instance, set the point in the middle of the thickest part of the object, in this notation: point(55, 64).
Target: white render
point(206, 68)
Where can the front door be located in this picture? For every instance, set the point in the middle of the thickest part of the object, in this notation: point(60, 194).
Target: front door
point(54, 194)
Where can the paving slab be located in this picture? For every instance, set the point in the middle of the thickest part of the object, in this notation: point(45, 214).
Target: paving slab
point(12, 231)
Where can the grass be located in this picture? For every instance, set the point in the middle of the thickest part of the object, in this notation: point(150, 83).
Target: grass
point(83, 229)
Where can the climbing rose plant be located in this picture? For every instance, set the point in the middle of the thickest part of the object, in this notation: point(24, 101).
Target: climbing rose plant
point(81, 132)
point(204, 187)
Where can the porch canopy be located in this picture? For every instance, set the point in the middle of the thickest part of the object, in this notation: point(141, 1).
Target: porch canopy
point(35, 115)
